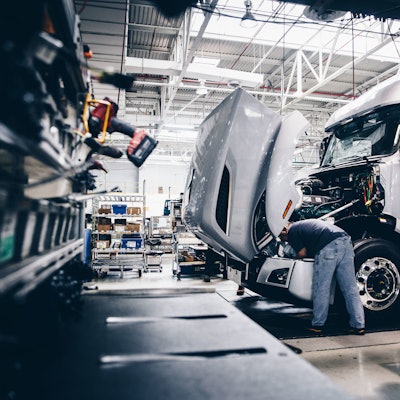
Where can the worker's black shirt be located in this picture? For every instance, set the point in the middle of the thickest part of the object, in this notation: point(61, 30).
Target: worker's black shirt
point(313, 234)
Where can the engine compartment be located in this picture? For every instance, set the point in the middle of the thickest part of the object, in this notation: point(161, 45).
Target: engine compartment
point(341, 192)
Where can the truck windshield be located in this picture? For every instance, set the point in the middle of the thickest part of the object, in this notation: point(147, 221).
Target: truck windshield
point(374, 134)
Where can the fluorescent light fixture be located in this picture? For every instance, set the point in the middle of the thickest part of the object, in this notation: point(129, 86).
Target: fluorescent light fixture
point(206, 60)
point(201, 90)
point(183, 127)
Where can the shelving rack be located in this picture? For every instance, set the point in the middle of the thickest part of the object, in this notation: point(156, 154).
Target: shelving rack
point(189, 251)
point(118, 233)
point(175, 212)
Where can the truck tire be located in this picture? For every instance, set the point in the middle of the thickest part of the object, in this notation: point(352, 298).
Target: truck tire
point(377, 264)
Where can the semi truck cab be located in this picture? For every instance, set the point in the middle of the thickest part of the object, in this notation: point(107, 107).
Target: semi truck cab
point(241, 192)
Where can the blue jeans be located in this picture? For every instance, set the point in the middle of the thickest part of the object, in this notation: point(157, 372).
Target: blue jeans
point(336, 259)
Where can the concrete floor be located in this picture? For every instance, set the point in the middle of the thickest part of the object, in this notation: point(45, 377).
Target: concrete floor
point(366, 367)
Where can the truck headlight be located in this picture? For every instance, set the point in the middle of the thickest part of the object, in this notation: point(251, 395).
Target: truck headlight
point(278, 276)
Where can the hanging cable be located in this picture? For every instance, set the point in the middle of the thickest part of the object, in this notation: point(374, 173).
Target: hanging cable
point(353, 57)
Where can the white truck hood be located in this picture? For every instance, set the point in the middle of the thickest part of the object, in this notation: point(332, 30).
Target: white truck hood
point(244, 149)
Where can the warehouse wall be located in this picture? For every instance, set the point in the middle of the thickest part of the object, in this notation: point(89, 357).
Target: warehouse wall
point(162, 181)
point(122, 173)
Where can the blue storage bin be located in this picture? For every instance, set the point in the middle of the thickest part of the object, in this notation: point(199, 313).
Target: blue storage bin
point(119, 208)
point(131, 243)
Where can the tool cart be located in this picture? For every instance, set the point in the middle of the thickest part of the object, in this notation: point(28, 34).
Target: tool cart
point(119, 260)
point(189, 254)
point(161, 233)
point(160, 240)
point(152, 259)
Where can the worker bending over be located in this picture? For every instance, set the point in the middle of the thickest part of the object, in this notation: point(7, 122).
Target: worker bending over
point(333, 254)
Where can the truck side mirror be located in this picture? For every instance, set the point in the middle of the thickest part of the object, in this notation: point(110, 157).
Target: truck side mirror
point(323, 146)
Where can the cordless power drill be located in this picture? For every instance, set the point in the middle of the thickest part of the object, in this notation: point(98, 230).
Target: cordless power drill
point(140, 145)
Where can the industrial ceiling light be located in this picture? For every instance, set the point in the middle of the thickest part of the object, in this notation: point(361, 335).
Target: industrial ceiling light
point(233, 83)
point(205, 5)
point(248, 20)
point(201, 90)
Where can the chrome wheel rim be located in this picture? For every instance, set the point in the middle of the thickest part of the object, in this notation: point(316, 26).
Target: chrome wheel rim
point(378, 283)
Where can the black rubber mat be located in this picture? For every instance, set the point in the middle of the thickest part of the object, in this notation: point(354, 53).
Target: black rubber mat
point(286, 321)
point(192, 346)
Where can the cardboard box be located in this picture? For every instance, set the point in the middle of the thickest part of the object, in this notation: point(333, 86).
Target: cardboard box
point(105, 209)
point(104, 227)
point(134, 211)
point(102, 244)
point(188, 257)
point(133, 227)
point(119, 228)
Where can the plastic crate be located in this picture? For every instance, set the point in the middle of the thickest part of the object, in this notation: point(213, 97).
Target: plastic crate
point(131, 243)
point(133, 235)
point(104, 221)
point(119, 208)
point(105, 236)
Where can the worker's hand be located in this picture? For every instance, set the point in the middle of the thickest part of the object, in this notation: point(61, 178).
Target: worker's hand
point(302, 253)
point(289, 251)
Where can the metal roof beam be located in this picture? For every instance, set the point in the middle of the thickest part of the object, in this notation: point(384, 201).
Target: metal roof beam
point(162, 30)
point(192, 70)
point(195, 45)
point(340, 71)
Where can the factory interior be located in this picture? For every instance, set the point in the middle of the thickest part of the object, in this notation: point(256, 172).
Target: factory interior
point(152, 155)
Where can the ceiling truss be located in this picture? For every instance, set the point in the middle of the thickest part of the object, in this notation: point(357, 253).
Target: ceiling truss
point(166, 53)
